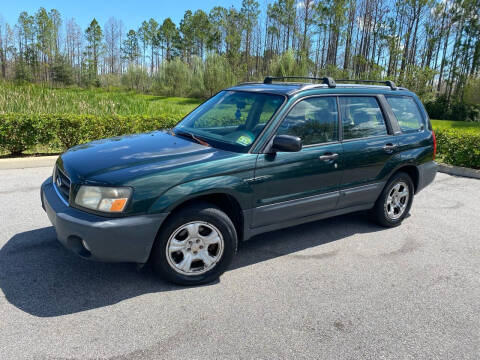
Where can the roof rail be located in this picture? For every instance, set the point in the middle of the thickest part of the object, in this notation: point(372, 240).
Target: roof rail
point(389, 83)
point(325, 80)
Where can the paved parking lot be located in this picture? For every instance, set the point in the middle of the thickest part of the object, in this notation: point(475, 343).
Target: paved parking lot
point(335, 289)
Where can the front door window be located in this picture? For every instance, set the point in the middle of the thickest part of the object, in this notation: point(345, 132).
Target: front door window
point(314, 120)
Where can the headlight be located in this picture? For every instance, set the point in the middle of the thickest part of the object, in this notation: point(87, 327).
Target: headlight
point(106, 199)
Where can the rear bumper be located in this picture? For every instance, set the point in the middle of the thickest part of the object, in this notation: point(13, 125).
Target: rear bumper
point(426, 174)
point(126, 239)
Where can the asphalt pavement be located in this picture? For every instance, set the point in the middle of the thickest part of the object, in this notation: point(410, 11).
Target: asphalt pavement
point(340, 288)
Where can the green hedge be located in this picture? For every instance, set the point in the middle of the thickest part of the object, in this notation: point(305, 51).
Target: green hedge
point(19, 132)
point(460, 148)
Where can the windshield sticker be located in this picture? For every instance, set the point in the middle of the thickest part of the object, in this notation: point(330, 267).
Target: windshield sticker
point(244, 140)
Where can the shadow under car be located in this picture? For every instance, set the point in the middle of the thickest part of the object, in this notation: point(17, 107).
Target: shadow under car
point(39, 276)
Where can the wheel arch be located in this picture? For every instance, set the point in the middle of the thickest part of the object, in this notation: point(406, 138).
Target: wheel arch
point(223, 200)
point(412, 171)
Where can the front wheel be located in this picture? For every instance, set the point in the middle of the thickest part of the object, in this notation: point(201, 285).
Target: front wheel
point(195, 245)
point(394, 202)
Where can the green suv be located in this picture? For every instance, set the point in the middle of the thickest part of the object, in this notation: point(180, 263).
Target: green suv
point(253, 158)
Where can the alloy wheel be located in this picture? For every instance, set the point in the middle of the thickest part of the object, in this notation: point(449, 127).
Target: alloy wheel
point(397, 200)
point(194, 248)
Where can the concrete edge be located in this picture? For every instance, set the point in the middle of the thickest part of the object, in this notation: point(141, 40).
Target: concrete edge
point(27, 162)
point(459, 171)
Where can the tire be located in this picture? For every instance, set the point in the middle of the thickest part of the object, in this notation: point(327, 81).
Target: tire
point(391, 207)
point(201, 241)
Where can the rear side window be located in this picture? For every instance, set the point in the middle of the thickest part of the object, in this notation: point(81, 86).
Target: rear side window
point(314, 120)
point(361, 117)
point(407, 113)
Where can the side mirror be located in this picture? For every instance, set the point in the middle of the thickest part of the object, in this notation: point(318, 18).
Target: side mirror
point(287, 143)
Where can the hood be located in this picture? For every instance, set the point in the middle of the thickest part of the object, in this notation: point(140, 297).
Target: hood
point(134, 154)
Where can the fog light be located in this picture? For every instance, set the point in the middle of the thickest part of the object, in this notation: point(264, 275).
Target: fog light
point(85, 245)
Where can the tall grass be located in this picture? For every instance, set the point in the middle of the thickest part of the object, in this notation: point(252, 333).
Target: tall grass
point(34, 99)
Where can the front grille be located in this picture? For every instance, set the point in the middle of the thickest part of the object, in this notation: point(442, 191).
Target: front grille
point(62, 182)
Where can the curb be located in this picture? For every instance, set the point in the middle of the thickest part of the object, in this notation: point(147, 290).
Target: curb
point(459, 171)
point(27, 162)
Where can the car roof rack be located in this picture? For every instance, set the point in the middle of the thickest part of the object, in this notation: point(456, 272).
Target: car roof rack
point(325, 80)
point(330, 81)
point(389, 83)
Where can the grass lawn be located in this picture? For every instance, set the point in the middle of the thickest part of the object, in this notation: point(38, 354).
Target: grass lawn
point(466, 126)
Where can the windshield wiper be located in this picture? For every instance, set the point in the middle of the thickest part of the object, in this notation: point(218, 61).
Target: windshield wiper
point(191, 136)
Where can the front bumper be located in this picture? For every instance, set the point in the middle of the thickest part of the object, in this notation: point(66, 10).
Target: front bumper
point(125, 239)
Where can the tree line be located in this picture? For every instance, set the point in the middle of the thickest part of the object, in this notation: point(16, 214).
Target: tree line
point(429, 46)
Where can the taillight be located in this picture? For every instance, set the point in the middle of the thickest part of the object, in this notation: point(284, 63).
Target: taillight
point(434, 145)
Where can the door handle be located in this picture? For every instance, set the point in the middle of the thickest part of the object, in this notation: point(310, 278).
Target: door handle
point(328, 156)
point(389, 147)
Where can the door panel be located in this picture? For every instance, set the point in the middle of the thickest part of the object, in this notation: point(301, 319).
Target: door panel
point(294, 185)
point(364, 159)
point(367, 149)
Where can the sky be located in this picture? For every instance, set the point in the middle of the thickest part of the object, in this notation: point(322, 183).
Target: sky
point(132, 13)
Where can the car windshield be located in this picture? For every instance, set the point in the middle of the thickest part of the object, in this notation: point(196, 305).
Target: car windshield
point(230, 120)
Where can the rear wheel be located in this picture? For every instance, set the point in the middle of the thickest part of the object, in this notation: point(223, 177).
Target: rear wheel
point(394, 202)
point(195, 245)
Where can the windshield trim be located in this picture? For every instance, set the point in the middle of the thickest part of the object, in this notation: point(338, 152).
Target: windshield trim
point(267, 124)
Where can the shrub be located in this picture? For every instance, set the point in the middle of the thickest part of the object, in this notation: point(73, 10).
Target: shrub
point(173, 79)
point(287, 65)
point(136, 78)
point(94, 128)
point(217, 74)
point(68, 129)
point(472, 92)
point(458, 111)
point(439, 108)
point(460, 148)
point(62, 71)
point(18, 132)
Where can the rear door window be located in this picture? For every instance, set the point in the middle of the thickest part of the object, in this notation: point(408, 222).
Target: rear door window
point(361, 117)
point(407, 113)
